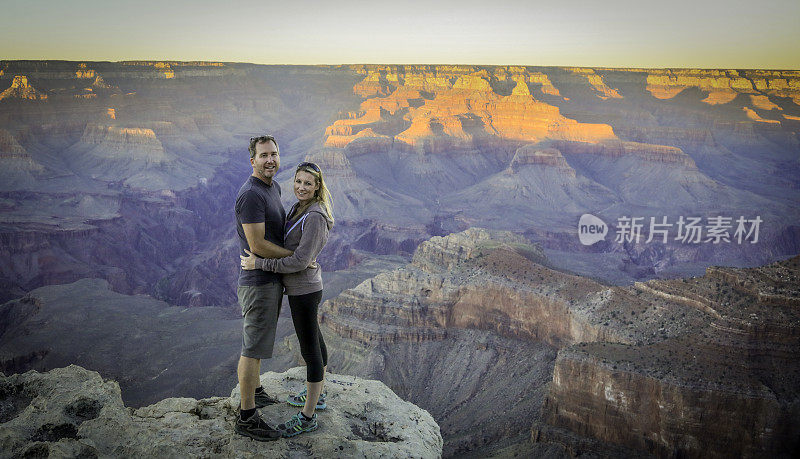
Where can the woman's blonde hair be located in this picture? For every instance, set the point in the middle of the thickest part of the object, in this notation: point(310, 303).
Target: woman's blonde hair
point(322, 195)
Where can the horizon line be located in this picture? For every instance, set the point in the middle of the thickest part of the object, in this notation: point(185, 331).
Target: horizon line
point(178, 61)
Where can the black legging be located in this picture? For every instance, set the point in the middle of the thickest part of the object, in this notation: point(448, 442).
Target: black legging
point(312, 346)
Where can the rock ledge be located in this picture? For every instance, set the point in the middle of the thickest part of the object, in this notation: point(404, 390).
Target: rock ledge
point(74, 412)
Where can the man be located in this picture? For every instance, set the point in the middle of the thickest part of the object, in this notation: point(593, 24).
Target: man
point(260, 219)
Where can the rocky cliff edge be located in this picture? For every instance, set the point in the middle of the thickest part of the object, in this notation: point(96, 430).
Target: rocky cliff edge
point(74, 412)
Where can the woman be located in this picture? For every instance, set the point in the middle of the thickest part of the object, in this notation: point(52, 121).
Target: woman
point(306, 232)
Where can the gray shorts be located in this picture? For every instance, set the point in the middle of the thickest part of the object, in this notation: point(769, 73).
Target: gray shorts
point(260, 307)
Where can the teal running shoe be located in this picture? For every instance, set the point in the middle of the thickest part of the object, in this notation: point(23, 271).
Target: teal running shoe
point(300, 400)
point(298, 424)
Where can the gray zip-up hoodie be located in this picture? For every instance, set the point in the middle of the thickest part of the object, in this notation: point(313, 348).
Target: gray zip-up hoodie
point(306, 234)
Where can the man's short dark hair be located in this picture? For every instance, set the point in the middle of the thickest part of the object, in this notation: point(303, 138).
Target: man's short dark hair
point(261, 139)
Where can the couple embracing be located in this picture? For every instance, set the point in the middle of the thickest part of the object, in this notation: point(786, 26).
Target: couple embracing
point(281, 252)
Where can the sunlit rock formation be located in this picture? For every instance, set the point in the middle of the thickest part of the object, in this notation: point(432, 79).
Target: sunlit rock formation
point(753, 115)
point(21, 89)
point(603, 91)
point(458, 107)
point(762, 102)
point(724, 85)
point(471, 120)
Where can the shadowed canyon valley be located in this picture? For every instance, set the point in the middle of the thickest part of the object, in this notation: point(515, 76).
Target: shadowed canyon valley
point(455, 273)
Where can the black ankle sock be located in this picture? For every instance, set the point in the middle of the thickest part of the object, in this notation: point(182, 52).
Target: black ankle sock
point(259, 389)
point(245, 414)
point(306, 417)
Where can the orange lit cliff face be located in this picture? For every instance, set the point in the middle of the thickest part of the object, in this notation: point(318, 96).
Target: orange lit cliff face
point(456, 106)
point(652, 137)
point(445, 109)
point(724, 85)
point(21, 89)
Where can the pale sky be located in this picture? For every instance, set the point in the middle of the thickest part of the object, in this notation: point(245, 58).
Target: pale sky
point(610, 33)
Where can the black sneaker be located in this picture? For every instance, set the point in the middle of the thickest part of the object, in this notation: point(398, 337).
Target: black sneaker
point(255, 428)
point(262, 399)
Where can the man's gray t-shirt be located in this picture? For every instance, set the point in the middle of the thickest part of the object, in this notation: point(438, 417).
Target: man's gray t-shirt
point(258, 202)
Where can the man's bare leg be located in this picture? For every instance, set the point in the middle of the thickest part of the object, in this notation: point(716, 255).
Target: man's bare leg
point(248, 372)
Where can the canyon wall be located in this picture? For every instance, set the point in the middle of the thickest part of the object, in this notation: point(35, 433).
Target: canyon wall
point(137, 180)
point(649, 368)
point(413, 151)
point(726, 386)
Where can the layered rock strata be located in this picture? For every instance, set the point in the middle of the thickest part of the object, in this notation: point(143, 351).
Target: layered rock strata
point(452, 279)
point(74, 412)
point(646, 369)
point(725, 386)
point(14, 157)
point(617, 149)
point(132, 143)
point(537, 181)
point(358, 199)
point(602, 89)
point(529, 155)
point(459, 380)
point(724, 85)
point(128, 69)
